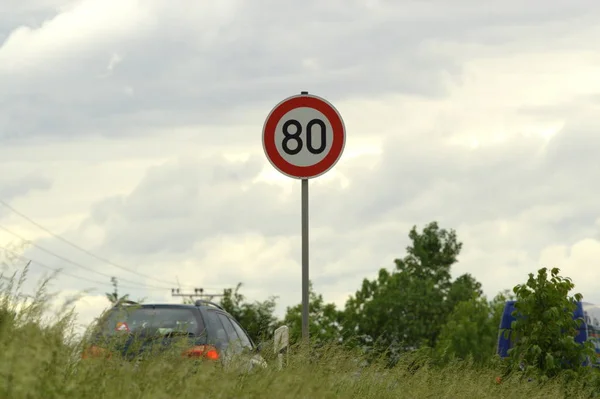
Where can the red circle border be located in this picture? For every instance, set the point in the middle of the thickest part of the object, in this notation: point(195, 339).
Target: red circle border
point(339, 136)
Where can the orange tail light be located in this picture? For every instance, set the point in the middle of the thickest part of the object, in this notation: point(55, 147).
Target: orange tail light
point(205, 351)
point(95, 352)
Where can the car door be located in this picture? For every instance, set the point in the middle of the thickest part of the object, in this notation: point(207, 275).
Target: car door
point(245, 340)
point(248, 355)
point(249, 349)
point(237, 350)
point(218, 335)
point(234, 340)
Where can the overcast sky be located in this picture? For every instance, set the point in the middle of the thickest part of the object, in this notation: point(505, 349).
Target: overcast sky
point(133, 130)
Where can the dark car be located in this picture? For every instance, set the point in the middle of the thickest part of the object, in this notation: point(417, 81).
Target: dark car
point(205, 329)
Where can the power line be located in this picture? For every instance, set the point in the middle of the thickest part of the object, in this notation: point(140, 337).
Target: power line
point(74, 263)
point(6, 205)
point(66, 273)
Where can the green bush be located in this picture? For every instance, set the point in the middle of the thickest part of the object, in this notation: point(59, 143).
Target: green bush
point(544, 333)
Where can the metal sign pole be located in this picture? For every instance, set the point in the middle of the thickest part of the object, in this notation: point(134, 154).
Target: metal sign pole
point(305, 298)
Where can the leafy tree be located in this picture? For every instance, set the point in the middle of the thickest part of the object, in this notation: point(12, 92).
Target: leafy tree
point(114, 297)
point(324, 320)
point(406, 308)
point(257, 318)
point(462, 289)
point(469, 332)
point(472, 328)
point(366, 316)
point(545, 330)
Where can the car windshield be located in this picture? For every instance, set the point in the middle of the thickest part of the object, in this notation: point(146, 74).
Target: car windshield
point(159, 320)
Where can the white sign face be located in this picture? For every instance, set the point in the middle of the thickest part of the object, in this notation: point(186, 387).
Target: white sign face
point(303, 136)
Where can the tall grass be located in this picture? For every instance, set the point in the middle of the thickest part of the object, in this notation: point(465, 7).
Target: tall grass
point(40, 358)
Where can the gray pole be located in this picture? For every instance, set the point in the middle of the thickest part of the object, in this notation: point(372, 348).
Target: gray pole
point(305, 260)
point(305, 276)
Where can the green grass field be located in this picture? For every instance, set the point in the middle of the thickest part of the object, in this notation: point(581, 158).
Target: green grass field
point(39, 360)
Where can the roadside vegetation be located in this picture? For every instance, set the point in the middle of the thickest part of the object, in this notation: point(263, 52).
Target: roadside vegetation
point(413, 332)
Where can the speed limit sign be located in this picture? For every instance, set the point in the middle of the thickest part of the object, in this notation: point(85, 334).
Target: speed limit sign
point(304, 136)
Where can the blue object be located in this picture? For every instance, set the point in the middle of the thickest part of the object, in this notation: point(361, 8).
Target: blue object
point(589, 330)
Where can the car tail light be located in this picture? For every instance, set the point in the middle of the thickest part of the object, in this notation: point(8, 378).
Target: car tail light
point(95, 352)
point(205, 351)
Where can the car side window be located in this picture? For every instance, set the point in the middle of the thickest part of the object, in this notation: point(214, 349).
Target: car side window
point(222, 340)
point(246, 342)
point(231, 333)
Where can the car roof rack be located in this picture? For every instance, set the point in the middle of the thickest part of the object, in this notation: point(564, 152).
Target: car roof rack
point(200, 302)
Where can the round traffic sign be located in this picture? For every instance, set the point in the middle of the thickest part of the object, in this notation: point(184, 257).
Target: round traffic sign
point(304, 136)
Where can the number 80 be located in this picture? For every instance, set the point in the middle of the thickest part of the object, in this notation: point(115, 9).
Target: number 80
point(296, 137)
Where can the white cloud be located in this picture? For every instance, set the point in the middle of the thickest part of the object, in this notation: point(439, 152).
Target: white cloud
point(579, 262)
point(133, 129)
point(115, 59)
point(97, 23)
